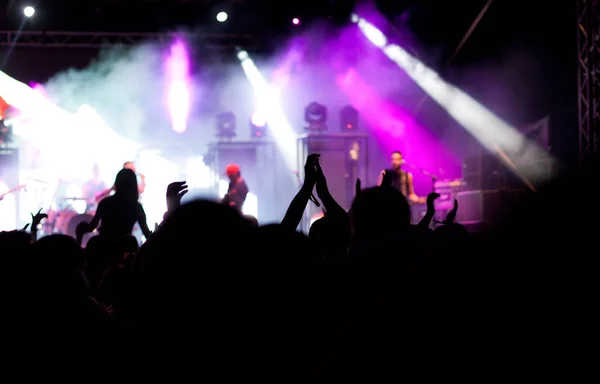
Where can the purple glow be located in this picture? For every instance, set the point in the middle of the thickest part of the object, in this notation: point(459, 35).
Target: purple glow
point(394, 129)
point(296, 21)
point(39, 88)
point(178, 90)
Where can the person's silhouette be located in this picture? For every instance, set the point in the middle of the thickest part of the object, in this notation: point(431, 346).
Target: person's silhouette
point(118, 213)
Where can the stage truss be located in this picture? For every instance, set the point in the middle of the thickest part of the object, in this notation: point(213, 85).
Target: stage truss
point(588, 76)
point(57, 39)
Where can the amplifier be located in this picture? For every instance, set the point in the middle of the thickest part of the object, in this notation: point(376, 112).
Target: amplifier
point(485, 206)
point(448, 189)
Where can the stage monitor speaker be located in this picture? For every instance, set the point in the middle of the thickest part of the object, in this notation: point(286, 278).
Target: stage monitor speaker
point(333, 164)
point(344, 158)
point(482, 206)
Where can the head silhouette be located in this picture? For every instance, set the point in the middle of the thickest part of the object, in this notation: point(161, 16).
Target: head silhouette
point(379, 210)
point(129, 165)
point(126, 186)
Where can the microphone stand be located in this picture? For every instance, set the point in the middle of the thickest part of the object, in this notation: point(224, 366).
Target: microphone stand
point(433, 177)
point(425, 173)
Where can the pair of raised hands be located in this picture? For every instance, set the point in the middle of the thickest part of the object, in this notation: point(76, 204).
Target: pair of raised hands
point(432, 197)
point(313, 174)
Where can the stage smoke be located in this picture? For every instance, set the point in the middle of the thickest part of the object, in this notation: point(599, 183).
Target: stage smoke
point(124, 85)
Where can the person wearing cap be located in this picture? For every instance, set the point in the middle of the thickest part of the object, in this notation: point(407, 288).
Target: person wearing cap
point(237, 191)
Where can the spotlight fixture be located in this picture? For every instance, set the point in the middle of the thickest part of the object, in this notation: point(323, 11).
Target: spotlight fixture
point(258, 126)
point(226, 125)
point(222, 17)
point(349, 119)
point(28, 11)
point(315, 116)
point(296, 21)
point(242, 55)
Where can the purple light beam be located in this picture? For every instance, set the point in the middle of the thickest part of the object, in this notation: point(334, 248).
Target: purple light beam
point(178, 90)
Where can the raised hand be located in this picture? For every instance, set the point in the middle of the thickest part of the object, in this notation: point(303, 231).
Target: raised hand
point(357, 187)
point(321, 182)
point(175, 191)
point(319, 175)
point(452, 214)
point(431, 198)
point(37, 218)
point(310, 169)
point(426, 220)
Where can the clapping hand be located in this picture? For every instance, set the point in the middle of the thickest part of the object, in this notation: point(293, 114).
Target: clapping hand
point(175, 191)
point(310, 169)
point(311, 174)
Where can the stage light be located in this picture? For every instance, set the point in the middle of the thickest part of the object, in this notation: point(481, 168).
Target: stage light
point(315, 115)
point(296, 21)
point(226, 125)
point(221, 17)
point(5, 132)
point(242, 55)
point(258, 126)
point(28, 11)
point(349, 119)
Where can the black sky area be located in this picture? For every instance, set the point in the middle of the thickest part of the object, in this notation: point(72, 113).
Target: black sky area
point(543, 33)
point(525, 49)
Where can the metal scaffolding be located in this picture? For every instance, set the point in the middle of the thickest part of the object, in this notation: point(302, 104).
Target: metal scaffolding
point(59, 39)
point(588, 77)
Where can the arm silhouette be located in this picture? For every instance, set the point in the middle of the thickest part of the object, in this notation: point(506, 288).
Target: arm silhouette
point(293, 216)
point(142, 221)
point(331, 206)
point(96, 219)
point(426, 220)
point(452, 214)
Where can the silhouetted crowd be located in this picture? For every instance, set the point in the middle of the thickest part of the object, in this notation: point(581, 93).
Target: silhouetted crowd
point(366, 296)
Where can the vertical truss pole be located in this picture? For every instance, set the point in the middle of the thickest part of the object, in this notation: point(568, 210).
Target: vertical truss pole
point(588, 80)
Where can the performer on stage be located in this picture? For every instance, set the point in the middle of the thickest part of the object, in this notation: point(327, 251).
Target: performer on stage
point(93, 187)
point(236, 194)
point(402, 180)
point(140, 178)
